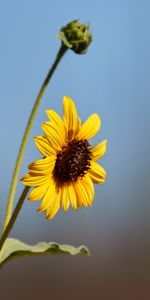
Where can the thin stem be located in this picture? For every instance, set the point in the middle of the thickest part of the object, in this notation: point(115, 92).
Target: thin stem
point(14, 216)
point(9, 207)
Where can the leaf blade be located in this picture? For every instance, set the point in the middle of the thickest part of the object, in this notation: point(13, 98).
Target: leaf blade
point(14, 248)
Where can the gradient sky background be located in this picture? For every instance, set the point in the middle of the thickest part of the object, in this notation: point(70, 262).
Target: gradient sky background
point(112, 79)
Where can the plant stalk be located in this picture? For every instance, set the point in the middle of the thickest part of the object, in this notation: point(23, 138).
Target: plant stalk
point(14, 216)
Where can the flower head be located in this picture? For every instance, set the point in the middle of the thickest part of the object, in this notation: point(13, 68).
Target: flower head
point(68, 169)
point(76, 36)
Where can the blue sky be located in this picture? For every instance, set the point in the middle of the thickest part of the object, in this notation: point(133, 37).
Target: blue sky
point(112, 79)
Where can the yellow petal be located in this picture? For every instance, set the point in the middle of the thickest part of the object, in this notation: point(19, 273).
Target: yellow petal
point(97, 173)
point(30, 180)
point(81, 194)
point(99, 150)
point(79, 124)
point(57, 120)
point(65, 198)
point(59, 132)
point(88, 184)
point(53, 136)
point(72, 196)
point(41, 173)
point(42, 166)
point(54, 206)
point(90, 127)
point(43, 146)
point(78, 195)
point(70, 116)
point(37, 193)
point(48, 197)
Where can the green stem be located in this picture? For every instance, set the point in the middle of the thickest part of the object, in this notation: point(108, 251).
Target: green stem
point(9, 207)
point(14, 216)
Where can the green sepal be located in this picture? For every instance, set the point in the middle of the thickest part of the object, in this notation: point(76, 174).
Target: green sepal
point(62, 37)
point(14, 249)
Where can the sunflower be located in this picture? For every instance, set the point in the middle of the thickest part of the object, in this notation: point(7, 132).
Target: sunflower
point(65, 174)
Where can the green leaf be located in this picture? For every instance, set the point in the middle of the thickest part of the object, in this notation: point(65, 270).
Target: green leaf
point(14, 248)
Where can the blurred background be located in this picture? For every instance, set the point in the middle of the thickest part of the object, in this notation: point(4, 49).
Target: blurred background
point(112, 79)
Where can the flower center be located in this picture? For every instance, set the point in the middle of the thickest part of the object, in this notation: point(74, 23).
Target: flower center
point(73, 161)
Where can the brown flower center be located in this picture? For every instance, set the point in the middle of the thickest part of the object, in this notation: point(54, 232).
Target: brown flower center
point(73, 161)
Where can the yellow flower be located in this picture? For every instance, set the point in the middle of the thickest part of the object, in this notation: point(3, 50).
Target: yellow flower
point(68, 169)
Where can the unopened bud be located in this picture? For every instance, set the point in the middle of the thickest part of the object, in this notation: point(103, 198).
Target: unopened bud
point(76, 36)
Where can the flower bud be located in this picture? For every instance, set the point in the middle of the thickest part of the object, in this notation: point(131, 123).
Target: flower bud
point(76, 36)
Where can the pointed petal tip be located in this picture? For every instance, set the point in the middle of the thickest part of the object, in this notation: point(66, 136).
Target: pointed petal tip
point(48, 218)
point(97, 173)
point(105, 141)
point(22, 180)
point(36, 138)
point(67, 100)
point(90, 127)
point(39, 210)
point(47, 110)
point(98, 119)
point(99, 150)
point(50, 215)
